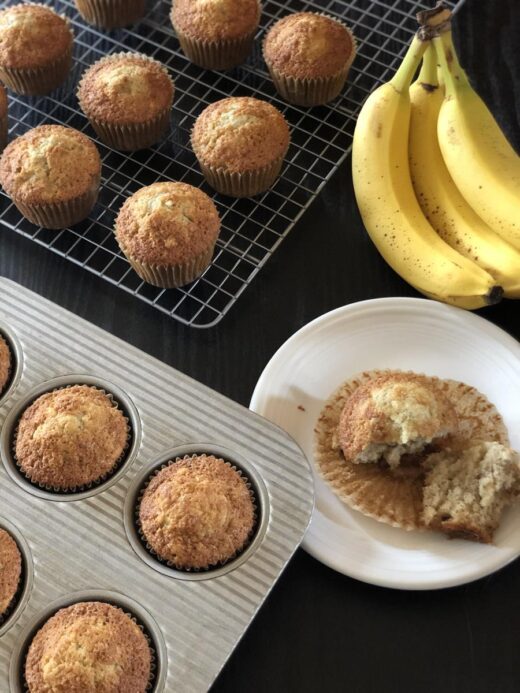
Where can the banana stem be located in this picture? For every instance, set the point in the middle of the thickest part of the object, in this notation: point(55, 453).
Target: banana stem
point(452, 73)
point(407, 69)
point(428, 73)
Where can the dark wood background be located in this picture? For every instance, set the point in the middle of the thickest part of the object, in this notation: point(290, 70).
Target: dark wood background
point(319, 630)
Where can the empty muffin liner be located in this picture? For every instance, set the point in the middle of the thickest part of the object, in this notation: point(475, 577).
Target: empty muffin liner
point(37, 81)
point(313, 92)
point(86, 487)
point(395, 496)
point(211, 567)
point(216, 55)
point(172, 276)
point(242, 184)
point(111, 14)
point(61, 214)
point(155, 662)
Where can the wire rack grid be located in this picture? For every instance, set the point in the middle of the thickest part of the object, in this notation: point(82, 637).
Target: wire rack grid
point(252, 228)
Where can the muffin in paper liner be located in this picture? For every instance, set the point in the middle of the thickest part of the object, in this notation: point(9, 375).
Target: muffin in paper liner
point(16, 580)
point(312, 91)
point(6, 364)
point(150, 686)
point(172, 276)
point(93, 484)
point(216, 55)
point(59, 215)
point(211, 566)
point(133, 136)
point(38, 81)
point(111, 14)
point(242, 183)
point(395, 496)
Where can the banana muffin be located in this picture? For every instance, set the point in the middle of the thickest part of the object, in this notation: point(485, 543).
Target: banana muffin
point(10, 570)
point(35, 50)
point(5, 364)
point(216, 34)
point(168, 233)
point(127, 98)
point(89, 647)
point(52, 174)
point(309, 57)
point(71, 437)
point(3, 118)
point(240, 143)
point(111, 14)
point(197, 512)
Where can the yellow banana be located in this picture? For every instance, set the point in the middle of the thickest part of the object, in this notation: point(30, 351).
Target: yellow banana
point(481, 161)
point(440, 200)
point(388, 205)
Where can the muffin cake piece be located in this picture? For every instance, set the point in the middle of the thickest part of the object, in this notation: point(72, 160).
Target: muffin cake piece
point(90, 647)
point(5, 364)
point(197, 512)
point(466, 490)
point(35, 50)
point(70, 437)
point(393, 415)
point(10, 570)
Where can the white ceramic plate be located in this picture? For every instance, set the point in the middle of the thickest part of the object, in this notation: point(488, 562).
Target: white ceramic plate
point(408, 334)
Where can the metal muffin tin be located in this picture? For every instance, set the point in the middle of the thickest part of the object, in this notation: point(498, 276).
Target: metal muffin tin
point(87, 548)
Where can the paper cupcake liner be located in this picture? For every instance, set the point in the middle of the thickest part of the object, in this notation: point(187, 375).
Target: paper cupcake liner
point(395, 496)
point(181, 568)
point(96, 482)
point(38, 81)
point(8, 612)
point(133, 136)
point(246, 184)
point(111, 14)
point(216, 55)
point(3, 133)
point(172, 276)
point(60, 215)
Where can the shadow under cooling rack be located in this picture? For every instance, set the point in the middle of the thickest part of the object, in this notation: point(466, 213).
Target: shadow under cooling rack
point(252, 229)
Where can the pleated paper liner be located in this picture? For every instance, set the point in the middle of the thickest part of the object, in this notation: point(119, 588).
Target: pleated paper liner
point(208, 568)
point(59, 215)
point(111, 14)
point(38, 81)
point(97, 482)
point(3, 133)
point(242, 184)
point(142, 627)
point(7, 613)
point(174, 275)
point(395, 496)
point(216, 55)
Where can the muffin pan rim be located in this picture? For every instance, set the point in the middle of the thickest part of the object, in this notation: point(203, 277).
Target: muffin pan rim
point(27, 573)
point(16, 349)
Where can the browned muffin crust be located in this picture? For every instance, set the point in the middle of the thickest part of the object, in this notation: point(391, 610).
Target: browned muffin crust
point(70, 437)
point(306, 45)
point(125, 88)
point(215, 20)
point(167, 223)
point(197, 512)
point(90, 647)
point(240, 134)
point(50, 164)
point(10, 569)
point(32, 36)
point(5, 363)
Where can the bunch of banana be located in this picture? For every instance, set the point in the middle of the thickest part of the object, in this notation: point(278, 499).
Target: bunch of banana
point(425, 223)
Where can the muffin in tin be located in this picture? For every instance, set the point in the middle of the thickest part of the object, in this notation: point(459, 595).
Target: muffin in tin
point(3, 118)
point(216, 34)
point(127, 98)
point(309, 57)
point(89, 647)
point(6, 364)
point(197, 512)
point(10, 571)
point(240, 143)
point(168, 233)
point(111, 14)
point(70, 438)
point(52, 174)
point(35, 50)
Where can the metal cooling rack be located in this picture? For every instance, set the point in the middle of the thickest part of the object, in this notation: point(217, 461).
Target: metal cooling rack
point(252, 229)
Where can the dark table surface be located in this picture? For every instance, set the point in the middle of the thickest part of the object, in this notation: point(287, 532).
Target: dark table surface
point(319, 630)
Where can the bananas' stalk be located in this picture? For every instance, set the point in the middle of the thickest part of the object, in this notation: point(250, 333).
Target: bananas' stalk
point(484, 166)
point(388, 205)
point(440, 200)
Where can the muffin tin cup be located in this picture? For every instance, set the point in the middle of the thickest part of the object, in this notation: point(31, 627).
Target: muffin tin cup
point(20, 599)
point(172, 276)
point(62, 214)
point(16, 368)
point(9, 431)
point(111, 14)
point(133, 136)
point(38, 81)
point(245, 184)
point(216, 55)
point(138, 487)
point(131, 608)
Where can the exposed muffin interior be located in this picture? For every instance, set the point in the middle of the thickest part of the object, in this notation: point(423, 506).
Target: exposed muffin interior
point(90, 647)
point(196, 513)
point(11, 568)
